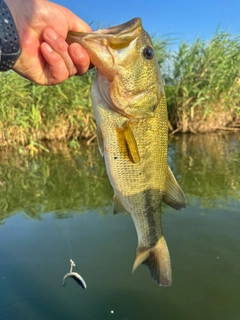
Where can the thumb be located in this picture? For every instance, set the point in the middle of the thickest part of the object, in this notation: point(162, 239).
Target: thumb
point(75, 23)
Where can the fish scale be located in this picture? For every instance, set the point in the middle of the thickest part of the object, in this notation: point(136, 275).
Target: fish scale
point(130, 109)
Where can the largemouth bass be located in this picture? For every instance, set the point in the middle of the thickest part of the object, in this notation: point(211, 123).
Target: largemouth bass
point(130, 110)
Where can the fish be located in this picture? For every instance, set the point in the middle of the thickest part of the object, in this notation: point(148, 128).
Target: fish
point(130, 110)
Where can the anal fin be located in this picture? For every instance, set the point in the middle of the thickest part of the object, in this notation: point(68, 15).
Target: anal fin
point(174, 196)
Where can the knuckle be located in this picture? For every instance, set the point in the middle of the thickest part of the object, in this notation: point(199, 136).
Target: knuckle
point(62, 45)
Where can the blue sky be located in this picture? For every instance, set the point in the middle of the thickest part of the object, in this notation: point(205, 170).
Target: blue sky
point(184, 20)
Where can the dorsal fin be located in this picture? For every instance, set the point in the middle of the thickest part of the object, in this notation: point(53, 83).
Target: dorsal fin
point(174, 196)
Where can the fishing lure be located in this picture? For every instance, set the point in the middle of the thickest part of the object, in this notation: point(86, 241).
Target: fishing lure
point(75, 276)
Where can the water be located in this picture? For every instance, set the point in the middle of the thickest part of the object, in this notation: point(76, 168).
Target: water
point(58, 207)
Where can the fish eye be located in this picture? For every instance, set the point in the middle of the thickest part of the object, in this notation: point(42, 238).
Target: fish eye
point(148, 52)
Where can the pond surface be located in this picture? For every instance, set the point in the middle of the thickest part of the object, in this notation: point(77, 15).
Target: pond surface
point(58, 206)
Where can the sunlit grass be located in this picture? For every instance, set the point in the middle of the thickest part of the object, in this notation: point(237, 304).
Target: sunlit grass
point(29, 112)
point(204, 79)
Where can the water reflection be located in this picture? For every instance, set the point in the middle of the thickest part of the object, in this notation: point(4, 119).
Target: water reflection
point(53, 182)
point(207, 165)
point(36, 243)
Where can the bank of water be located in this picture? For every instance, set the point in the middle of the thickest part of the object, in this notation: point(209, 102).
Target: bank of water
point(58, 206)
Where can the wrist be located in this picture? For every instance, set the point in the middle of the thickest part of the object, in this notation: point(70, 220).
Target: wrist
point(10, 49)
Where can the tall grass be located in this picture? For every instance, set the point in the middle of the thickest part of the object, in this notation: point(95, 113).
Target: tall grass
point(204, 79)
point(29, 112)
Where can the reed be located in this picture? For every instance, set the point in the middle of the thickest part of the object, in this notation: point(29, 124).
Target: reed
point(204, 81)
point(30, 113)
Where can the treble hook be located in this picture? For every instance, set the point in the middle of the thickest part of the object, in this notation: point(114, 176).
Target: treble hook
point(75, 276)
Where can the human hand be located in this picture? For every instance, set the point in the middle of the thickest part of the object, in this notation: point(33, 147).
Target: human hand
point(46, 57)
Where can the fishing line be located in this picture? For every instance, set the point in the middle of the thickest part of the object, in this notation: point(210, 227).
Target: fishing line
point(71, 274)
point(62, 206)
point(69, 245)
point(44, 93)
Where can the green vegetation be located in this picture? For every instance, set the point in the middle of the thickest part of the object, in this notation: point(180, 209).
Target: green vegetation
point(201, 83)
point(30, 113)
point(203, 89)
point(59, 181)
point(207, 166)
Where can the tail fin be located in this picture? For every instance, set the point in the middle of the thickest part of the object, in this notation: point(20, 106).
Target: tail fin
point(158, 261)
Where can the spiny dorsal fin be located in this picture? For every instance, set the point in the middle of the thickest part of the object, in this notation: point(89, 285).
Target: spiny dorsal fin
point(117, 206)
point(100, 141)
point(127, 143)
point(174, 196)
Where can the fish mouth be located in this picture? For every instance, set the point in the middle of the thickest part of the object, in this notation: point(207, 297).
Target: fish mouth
point(113, 39)
point(107, 47)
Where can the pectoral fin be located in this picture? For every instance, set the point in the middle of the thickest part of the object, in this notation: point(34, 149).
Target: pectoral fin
point(127, 143)
point(174, 196)
point(100, 141)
